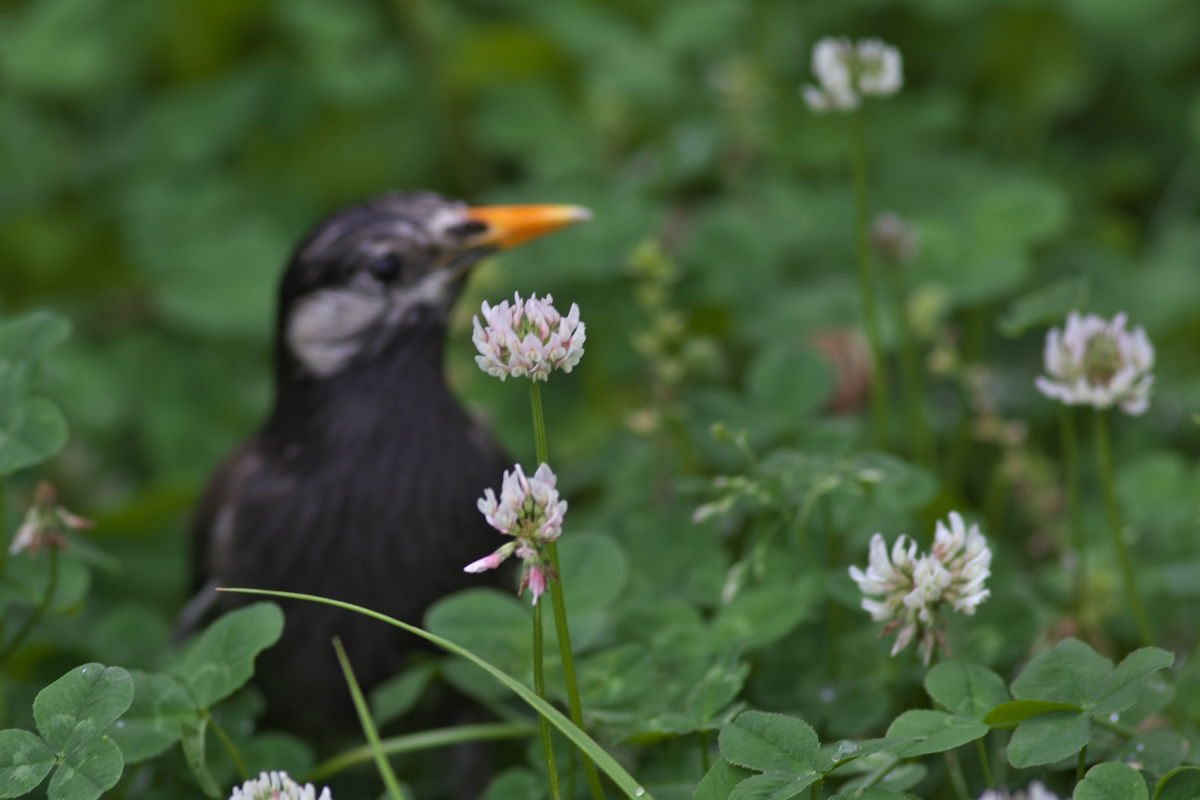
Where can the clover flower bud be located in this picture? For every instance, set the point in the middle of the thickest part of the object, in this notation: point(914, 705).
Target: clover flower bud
point(906, 590)
point(1098, 363)
point(1035, 791)
point(530, 510)
point(277, 786)
point(529, 339)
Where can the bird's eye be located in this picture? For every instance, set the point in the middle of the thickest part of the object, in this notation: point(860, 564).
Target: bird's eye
point(386, 267)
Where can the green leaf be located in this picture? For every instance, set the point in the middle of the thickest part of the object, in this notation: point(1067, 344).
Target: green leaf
point(1009, 714)
point(716, 690)
point(968, 690)
point(1179, 784)
point(81, 705)
point(30, 336)
point(30, 432)
point(396, 696)
point(606, 763)
point(1045, 306)
point(718, 782)
point(1069, 672)
point(773, 786)
point(25, 760)
point(770, 743)
point(873, 793)
point(594, 570)
point(89, 768)
point(153, 723)
point(1112, 781)
point(520, 783)
point(194, 742)
point(1120, 689)
point(942, 731)
point(764, 614)
point(1047, 738)
point(221, 660)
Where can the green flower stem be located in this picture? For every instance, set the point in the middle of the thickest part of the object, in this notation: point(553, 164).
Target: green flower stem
point(40, 611)
point(1070, 451)
point(1081, 764)
point(833, 619)
point(705, 744)
point(985, 763)
point(910, 364)
point(866, 285)
point(1104, 456)
point(539, 686)
point(957, 779)
point(368, 725)
point(561, 626)
point(228, 744)
point(881, 772)
point(425, 740)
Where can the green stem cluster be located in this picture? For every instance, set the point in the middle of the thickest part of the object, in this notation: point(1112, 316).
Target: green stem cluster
point(40, 611)
point(921, 439)
point(574, 704)
point(539, 686)
point(866, 285)
point(1070, 451)
point(1104, 456)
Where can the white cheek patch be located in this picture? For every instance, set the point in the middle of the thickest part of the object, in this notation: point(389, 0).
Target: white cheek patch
point(329, 328)
point(332, 327)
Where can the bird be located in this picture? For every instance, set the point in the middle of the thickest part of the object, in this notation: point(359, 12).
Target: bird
point(361, 484)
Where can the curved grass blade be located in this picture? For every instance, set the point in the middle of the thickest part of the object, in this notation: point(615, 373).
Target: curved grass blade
point(609, 765)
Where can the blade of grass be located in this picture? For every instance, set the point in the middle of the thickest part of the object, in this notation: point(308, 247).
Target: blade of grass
point(368, 725)
point(425, 740)
point(609, 765)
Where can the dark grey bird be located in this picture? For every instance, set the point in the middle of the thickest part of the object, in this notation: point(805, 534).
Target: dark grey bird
point(362, 483)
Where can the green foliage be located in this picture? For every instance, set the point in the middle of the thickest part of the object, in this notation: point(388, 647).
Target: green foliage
point(32, 427)
point(73, 716)
point(1110, 782)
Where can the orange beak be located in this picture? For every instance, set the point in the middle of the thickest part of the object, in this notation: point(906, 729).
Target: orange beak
point(509, 226)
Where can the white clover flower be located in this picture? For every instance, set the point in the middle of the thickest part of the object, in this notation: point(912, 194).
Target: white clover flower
point(1035, 791)
point(277, 786)
point(45, 522)
point(530, 510)
point(845, 70)
point(906, 590)
point(528, 339)
point(1098, 363)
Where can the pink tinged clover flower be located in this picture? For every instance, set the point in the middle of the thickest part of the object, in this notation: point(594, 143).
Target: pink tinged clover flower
point(529, 339)
point(45, 523)
point(530, 510)
point(1035, 791)
point(906, 589)
point(1097, 362)
point(277, 786)
point(845, 70)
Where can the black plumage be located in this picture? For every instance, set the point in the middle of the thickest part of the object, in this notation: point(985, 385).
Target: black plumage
point(361, 485)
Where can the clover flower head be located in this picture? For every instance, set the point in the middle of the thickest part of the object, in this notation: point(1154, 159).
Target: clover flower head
point(277, 786)
point(529, 338)
point(894, 239)
point(45, 523)
point(846, 70)
point(1035, 791)
point(1099, 363)
point(906, 589)
point(528, 509)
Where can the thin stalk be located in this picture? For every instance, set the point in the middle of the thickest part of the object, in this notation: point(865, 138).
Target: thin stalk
point(832, 609)
point(957, 780)
point(425, 740)
point(1070, 451)
point(539, 686)
point(914, 388)
point(985, 763)
point(880, 772)
point(1104, 456)
point(866, 284)
point(1080, 764)
point(368, 724)
point(229, 746)
point(561, 626)
point(40, 611)
point(705, 744)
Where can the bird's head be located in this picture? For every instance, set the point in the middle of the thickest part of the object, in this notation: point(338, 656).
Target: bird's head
point(372, 274)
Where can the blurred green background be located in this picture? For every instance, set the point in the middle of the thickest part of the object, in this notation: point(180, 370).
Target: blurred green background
point(158, 160)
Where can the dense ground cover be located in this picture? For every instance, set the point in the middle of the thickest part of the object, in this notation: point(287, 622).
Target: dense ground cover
point(717, 442)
